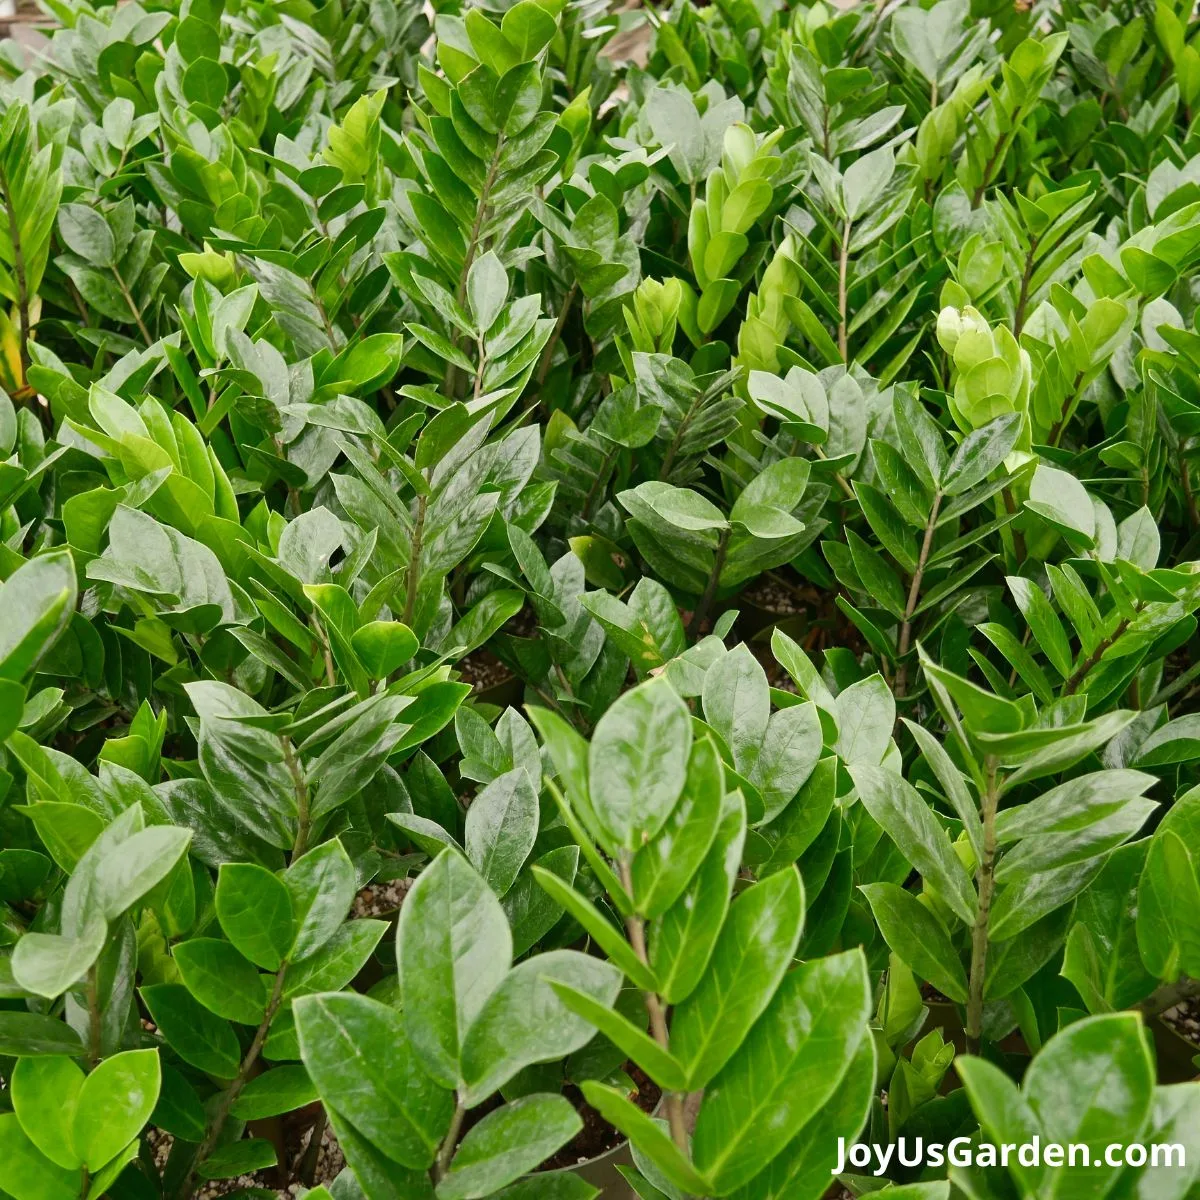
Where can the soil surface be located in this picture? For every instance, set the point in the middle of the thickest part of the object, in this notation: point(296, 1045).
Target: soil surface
point(1185, 1019)
point(597, 1137)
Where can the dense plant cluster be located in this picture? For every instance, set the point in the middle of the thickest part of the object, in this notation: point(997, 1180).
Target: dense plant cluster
point(568, 569)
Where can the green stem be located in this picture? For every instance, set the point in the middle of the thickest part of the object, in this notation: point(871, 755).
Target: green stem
point(300, 786)
point(133, 308)
point(413, 575)
point(19, 271)
point(710, 590)
point(914, 596)
point(221, 1114)
point(843, 264)
point(94, 1017)
point(449, 1142)
point(656, 1010)
point(985, 883)
point(1078, 675)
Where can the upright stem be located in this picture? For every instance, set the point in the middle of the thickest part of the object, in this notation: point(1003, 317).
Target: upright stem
point(843, 262)
point(1185, 479)
point(914, 595)
point(657, 1012)
point(454, 378)
point(94, 1016)
point(446, 1150)
point(307, 1171)
point(985, 883)
point(1078, 675)
point(414, 560)
point(554, 338)
point(710, 590)
point(1068, 409)
point(22, 279)
point(1023, 294)
point(323, 638)
point(300, 786)
point(229, 1099)
point(133, 308)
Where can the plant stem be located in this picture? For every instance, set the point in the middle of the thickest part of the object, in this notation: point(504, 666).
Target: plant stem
point(985, 882)
point(22, 278)
point(710, 590)
point(1023, 294)
point(636, 928)
point(914, 595)
point(94, 1016)
point(555, 336)
point(307, 1170)
point(300, 787)
point(234, 1090)
point(446, 1150)
point(413, 575)
point(843, 262)
point(1068, 409)
point(133, 308)
point(1078, 675)
point(1186, 480)
point(323, 638)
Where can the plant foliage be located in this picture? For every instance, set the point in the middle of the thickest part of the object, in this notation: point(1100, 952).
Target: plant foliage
point(577, 577)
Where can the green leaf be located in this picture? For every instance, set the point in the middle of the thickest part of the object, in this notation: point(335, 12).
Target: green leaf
point(238, 1158)
point(453, 947)
point(255, 911)
point(28, 1035)
point(866, 715)
point(524, 1022)
point(506, 1144)
point(37, 600)
point(1092, 1084)
point(790, 1065)
point(48, 964)
point(1046, 628)
point(113, 1105)
point(663, 866)
point(1168, 925)
point(908, 821)
point(283, 1089)
point(201, 1038)
point(45, 1095)
point(647, 1133)
point(981, 452)
point(682, 941)
point(753, 951)
point(501, 828)
point(222, 980)
point(658, 1063)
point(26, 1173)
point(85, 231)
point(321, 884)
point(637, 763)
point(487, 290)
point(359, 1055)
point(802, 1170)
point(598, 927)
point(383, 646)
point(338, 961)
point(917, 938)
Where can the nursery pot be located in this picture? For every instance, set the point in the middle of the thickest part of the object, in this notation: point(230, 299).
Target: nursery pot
point(601, 1172)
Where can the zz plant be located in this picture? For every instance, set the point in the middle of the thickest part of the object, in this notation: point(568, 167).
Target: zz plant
point(593, 584)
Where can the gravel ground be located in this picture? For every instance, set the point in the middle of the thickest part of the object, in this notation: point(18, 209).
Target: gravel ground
point(1185, 1019)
